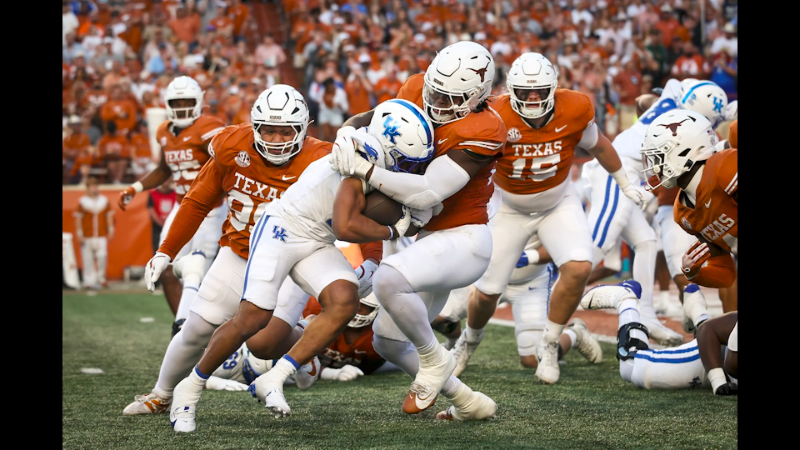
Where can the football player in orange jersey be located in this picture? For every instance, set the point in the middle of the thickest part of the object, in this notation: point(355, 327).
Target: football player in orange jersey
point(184, 139)
point(545, 125)
point(453, 249)
point(680, 150)
point(253, 164)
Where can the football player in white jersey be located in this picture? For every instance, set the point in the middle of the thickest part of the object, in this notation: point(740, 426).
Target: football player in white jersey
point(528, 292)
point(698, 362)
point(295, 238)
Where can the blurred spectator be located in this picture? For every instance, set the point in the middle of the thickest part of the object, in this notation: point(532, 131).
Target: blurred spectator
point(214, 110)
point(387, 87)
point(333, 105)
point(727, 42)
point(358, 89)
point(120, 110)
point(160, 202)
point(142, 160)
point(270, 55)
point(69, 22)
point(114, 149)
point(76, 144)
point(627, 84)
point(185, 26)
point(222, 23)
point(689, 64)
point(240, 15)
point(94, 225)
point(72, 47)
point(667, 24)
point(725, 74)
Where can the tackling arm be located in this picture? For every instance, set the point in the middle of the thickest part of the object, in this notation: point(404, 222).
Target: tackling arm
point(444, 177)
point(348, 223)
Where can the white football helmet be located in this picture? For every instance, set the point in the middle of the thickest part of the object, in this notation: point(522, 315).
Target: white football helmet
point(280, 105)
point(362, 320)
point(704, 97)
point(673, 142)
point(184, 87)
point(528, 72)
point(458, 79)
point(405, 133)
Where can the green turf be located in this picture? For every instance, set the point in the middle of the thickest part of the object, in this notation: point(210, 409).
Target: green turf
point(590, 407)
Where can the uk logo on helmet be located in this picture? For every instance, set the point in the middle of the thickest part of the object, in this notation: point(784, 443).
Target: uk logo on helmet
point(390, 129)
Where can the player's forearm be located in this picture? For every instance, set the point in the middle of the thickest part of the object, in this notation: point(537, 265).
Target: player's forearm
point(359, 120)
point(443, 178)
point(155, 178)
point(185, 225)
point(360, 229)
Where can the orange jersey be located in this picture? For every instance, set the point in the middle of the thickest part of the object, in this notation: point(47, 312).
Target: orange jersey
point(482, 133)
point(715, 213)
point(185, 153)
point(359, 353)
point(733, 134)
point(250, 182)
point(94, 215)
point(537, 160)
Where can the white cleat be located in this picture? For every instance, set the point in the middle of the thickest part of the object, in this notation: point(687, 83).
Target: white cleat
point(462, 351)
point(692, 299)
point(660, 333)
point(429, 381)
point(478, 407)
point(547, 371)
point(270, 393)
point(586, 344)
point(667, 307)
point(609, 296)
point(184, 403)
point(147, 404)
point(308, 374)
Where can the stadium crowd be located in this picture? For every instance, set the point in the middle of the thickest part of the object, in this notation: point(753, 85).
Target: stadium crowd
point(349, 55)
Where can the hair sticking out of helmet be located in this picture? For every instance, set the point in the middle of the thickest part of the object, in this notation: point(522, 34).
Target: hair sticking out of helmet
point(184, 101)
point(457, 81)
point(280, 121)
point(673, 143)
point(405, 134)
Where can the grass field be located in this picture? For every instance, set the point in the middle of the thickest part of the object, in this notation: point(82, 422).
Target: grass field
point(590, 406)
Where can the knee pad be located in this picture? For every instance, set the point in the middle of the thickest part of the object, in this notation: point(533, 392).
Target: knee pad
point(527, 341)
point(628, 346)
point(192, 264)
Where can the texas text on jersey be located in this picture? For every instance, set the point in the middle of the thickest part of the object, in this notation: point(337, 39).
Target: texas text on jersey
point(483, 133)
point(184, 153)
point(249, 181)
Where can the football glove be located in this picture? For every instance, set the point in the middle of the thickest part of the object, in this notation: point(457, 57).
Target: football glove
point(126, 197)
point(221, 384)
point(343, 153)
point(346, 373)
point(154, 268)
point(365, 272)
point(523, 261)
point(421, 217)
point(402, 225)
point(634, 194)
point(694, 258)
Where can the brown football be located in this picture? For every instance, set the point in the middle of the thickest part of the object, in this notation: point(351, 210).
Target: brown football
point(382, 209)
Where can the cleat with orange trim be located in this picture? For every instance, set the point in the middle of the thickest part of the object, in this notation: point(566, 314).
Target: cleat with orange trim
point(147, 404)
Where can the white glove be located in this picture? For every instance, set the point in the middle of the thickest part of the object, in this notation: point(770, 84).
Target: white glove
point(421, 217)
point(221, 384)
point(732, 110)
point(365, 272)
point(346, 373)
point(153, 269)
point(437, 208)
point(634, 194)
point(343, 152)
point(402, 225)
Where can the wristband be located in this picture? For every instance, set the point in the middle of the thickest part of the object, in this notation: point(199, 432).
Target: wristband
point(137, 186)
point(391, 233)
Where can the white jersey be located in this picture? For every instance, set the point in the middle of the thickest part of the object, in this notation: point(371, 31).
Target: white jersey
point(307, 205)
point(231, 369)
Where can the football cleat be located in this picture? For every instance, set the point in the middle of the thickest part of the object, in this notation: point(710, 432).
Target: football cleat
point(608, 296)
point(270, 392)
point(176, 326)
point(660, 333)
point(308, 374)
point(147, 404)
point(462, 351)
point(478, 407)
point(692, 298)
point(547, 370)
point(429, 381)
point(586, 344)
point(184, 402)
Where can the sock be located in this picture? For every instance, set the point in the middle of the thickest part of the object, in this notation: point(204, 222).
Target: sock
point(573, 337)
point(473, 334)
point(552, 331)
point(629, 312)
point(283, 369)
point(190, 286)
point(197, 377)
point(460, 393)
point(664, 303)
point(429, 353)
point(717, 378)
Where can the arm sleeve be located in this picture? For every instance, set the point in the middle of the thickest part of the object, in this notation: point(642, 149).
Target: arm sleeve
point(717, 272)
point(203, 196)
point(372, 250)
point(590, 136)
point(443, 178)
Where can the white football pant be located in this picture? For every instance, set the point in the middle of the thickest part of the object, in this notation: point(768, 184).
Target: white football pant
point(674, 240)
point(94, 250)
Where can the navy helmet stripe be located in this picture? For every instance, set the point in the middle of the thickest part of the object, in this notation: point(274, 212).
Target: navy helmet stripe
point(419, 116)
